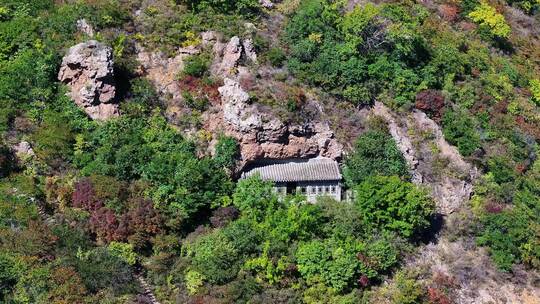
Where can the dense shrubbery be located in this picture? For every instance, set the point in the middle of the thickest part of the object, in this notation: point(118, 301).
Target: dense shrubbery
point(511, 232)
point(343, 53)
point(375, 153)
point(196, 65)
point(148, 149)
point(327, 248)
point(459, 130)
point(388, 203)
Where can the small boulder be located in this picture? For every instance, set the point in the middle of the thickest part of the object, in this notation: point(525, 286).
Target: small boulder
point(249, 50)
point(84, 27)
point(88, 70)
point(23, 149)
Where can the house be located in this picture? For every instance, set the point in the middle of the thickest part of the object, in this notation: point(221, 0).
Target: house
point(312, 178)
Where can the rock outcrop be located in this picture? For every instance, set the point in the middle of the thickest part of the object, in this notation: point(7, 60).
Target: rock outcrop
point(433, 162)
point(228, 57)
point(231, 56)
point(163, 71)
point(249, 50)
point(84, 27)
point(259, 133)
point(266, 3)
point(263, 136)
point(473, 276)
point(88, 70)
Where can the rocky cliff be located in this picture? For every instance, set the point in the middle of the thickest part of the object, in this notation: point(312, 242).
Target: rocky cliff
point(260, 133)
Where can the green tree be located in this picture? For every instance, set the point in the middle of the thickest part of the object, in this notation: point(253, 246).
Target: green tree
point(460, 130)
point(123, 251)
point(388, 203)
point(375, 153)
point(534, 87)
point(227, 150)
point(196, 65)
point(253, 197)
point(336, 264)
point(11, 269)
point(356, 23)
point(215, 257)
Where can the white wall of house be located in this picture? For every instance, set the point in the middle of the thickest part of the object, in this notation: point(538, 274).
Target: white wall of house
point(313, 189)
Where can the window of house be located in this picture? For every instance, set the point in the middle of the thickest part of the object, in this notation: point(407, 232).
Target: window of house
point(327, 189)
point(319, 189)
point(303, 190)
point(333, 189)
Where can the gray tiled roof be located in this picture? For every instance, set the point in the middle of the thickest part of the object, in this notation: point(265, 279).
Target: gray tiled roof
point(316, 169)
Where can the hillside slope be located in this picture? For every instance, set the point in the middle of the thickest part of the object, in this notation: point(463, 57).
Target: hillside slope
point(126, 123)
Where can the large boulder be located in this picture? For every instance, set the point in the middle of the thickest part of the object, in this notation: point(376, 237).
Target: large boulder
point(88, 70)
point(262, 135)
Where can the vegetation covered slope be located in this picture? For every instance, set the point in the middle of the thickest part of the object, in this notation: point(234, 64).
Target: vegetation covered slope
point(92, 203)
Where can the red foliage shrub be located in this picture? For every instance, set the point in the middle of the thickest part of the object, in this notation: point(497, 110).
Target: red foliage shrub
point(142, 218)
point(84, 196)
point(492, 207)
point(430, 101)
point(224, 215)
point(449, 12)
point(363, 281)
point(67, 286)
point(201, 89)
point(104, 223)
point(436, 296)
point(443, 280)
point(532, 129)
point(521, 168)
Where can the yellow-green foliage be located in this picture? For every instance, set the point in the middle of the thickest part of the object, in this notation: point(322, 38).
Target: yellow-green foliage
point(355, 22)
point(194, 281)
point(124, 251)
point(534, 86)
point(487, 16)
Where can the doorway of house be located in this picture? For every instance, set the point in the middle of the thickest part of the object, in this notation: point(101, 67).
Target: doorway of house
point(291, 187)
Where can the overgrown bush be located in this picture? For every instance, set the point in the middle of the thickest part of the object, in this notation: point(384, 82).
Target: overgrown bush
point(196, 65)
point(390, 204)
point(460, 130)
point(375, 153)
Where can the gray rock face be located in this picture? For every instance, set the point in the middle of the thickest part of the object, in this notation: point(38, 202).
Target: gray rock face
point(208, 38)
point(88, 70)
point(266, 3)
point(249, 50)
point(236, 110)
